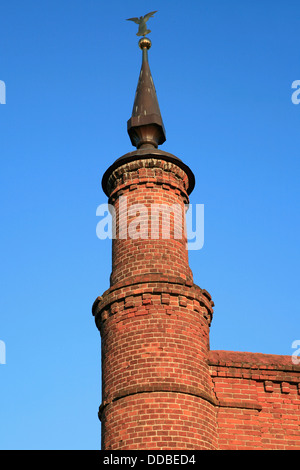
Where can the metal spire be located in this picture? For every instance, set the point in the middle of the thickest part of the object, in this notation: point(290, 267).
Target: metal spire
point(145, 127)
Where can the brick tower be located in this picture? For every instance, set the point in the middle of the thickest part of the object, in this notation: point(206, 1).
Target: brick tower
point(154, 321)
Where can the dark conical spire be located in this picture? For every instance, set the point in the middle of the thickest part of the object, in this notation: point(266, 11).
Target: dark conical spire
point(145, 127)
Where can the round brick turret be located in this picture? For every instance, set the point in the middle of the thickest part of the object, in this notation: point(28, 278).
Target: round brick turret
point(154, 321)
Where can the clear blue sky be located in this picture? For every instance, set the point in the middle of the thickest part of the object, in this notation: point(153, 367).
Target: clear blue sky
point(223, 72)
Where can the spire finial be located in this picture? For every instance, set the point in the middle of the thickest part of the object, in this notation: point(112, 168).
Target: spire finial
point(145, 43)
point(145, 127)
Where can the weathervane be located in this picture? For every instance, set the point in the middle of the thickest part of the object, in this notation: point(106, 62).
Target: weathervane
point(141, 21)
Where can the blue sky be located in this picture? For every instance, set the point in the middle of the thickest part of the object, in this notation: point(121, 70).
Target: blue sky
point(223, 72)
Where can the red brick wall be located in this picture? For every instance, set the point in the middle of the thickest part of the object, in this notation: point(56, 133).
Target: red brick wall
point(259, 400)
point(149, 182)
point(159, 421)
